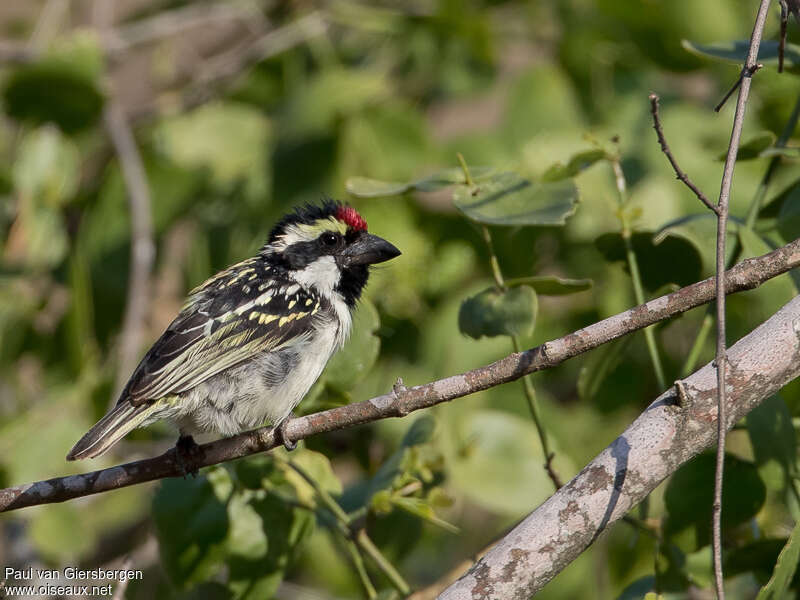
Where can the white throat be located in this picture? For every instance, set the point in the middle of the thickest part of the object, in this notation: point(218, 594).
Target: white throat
point(323, 274)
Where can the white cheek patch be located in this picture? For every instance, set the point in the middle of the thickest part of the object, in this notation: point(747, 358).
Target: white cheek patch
point(322, 274)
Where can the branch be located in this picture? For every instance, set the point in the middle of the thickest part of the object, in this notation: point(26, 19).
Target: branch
point(674, 428)
point(679, 173)
point(721, 360)
point(142, 245)
point(746, 275)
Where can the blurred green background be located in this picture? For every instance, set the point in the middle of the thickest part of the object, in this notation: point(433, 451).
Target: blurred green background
point(242, 110)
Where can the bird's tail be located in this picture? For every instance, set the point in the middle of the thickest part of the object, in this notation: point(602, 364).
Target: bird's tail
point(110, 429)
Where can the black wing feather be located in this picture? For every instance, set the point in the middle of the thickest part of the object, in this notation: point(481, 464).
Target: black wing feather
point(230, 318)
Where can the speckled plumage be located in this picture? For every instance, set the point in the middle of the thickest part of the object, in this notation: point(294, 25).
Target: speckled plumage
point(251, 341)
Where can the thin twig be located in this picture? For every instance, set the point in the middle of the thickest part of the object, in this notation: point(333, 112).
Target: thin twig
point(721, 360)
point(633, 268)
point(142, 245)
point(782, 34)
point(746, 72)
point(747, 275)
point(679, 173)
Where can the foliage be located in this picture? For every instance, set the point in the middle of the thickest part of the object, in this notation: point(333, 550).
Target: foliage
point(561, 211)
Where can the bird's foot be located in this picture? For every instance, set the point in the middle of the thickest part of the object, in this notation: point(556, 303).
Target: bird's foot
point(280, 435)
point(188, 454)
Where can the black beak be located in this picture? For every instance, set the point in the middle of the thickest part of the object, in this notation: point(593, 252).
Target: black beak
point(368, 249)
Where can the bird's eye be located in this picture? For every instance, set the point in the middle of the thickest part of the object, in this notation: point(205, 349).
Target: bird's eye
point(329, 239)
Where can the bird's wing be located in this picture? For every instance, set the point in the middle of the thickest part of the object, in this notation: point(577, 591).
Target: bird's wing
point(226, 321)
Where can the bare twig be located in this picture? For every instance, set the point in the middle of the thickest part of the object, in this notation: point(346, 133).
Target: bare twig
point(226, 68)
point(142, 245)
point(782, 35)
point(655, 445)
point(721, 360)
point(747, 275)
point(679, 173)
point(746, 72)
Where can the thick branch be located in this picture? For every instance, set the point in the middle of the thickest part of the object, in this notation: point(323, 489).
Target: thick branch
point(401, 401)
point(675, 427)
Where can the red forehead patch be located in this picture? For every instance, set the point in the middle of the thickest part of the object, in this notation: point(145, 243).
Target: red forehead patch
point(350, 216)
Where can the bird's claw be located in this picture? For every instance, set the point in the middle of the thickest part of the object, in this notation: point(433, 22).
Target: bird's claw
point(188, 454)
point(280, 435)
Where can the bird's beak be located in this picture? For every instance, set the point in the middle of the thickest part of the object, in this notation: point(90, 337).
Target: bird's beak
point(368, 249)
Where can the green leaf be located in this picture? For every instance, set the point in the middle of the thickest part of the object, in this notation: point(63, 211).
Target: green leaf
point(736, 52)
point(421, 508)
point(364, 187)
point(700, 230)
point(493, 312)
point(785, 568)
point(599, 365)
point(420, 431)
point(753, 147)
point(550, 285)
point(577, 163)
point(662, 260)
point(330, 95)
point(690, 492)
point(230, 139)
point(637, 589)
point(63, 87)
point(495, 459)
point(774, 442)
point(318, 467)
point(509, 199)
point(192, 524)
point(758, 557)
point(352, 363)
point(47, 167)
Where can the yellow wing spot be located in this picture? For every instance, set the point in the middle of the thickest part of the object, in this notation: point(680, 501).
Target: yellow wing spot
point(253, 276)
point(308, 301)
point(292, 303)
point(262, 287)
point(254, 315)
point(264, 319)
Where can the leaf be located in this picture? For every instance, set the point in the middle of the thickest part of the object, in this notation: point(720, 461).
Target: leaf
point(736, 52)
point(509, 199)
point(661, 260)
point(550, 285)
point(420, 432)
point(785, 568)
point(690, 491)
point(63, 87)
point(421, 508)
point(599, 365)
point(774, 442)
point(577, 163)
point(47, 167)
point(758, 557)
point(753, 147)
point(364, 187)
point(230, 139)
point(700, 230)
point(192, 524)
point(501, 468)
point(352, 363)
point(493, 312)
point(637, 589)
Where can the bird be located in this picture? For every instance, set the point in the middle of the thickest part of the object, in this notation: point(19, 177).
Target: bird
point(250, 341)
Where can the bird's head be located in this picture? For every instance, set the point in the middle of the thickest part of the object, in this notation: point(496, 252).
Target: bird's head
point(328, 247)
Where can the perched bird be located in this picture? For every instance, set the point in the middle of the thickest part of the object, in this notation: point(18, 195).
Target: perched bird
point(250, 342)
